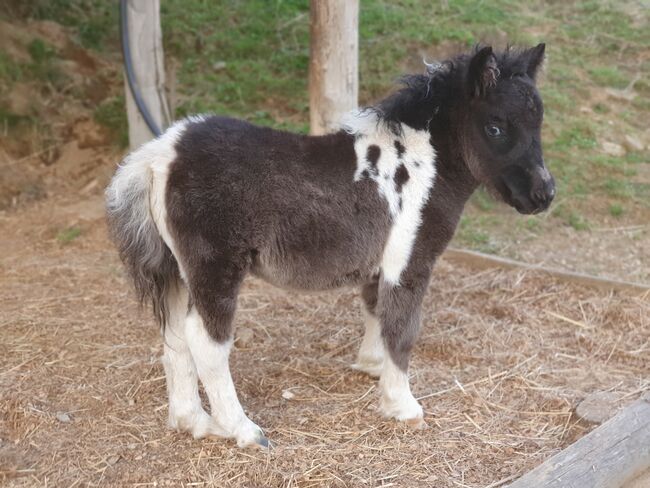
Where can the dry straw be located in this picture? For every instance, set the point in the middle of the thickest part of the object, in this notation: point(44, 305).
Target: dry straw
point(503, 359)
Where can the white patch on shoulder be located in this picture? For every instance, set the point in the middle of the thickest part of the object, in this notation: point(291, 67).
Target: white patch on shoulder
point(376, 147)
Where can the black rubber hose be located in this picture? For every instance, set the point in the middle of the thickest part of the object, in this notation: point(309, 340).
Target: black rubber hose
point(130, 77)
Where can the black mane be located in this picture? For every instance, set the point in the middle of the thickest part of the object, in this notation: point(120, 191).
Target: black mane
point(425, 99)
point(421, 98)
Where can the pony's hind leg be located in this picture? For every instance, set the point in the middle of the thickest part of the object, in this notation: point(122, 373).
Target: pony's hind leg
point(209, 336)
point(185, 410)
point(370, 358)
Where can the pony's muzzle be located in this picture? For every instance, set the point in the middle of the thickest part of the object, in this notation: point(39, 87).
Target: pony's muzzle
point(529, 191)
point(543, 188)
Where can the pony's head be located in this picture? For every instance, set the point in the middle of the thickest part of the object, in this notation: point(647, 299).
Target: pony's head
point(500, 131)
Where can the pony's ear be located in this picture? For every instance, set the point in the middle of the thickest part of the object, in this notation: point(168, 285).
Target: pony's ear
point(483, 72)
point(534, 58)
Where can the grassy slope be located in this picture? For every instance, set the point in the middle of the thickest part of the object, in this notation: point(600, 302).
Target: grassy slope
point(249, 59)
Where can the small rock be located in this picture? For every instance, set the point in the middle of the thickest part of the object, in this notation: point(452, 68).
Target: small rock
point(63, 417)
point(633, 143)
point(244, 337)
point(598, 407)
point(113, 460)
point(288, 395)
point(219, 65)
point(613, 149)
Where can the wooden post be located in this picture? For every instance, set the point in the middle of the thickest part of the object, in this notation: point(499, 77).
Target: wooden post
point(333, 63)
point(608, 457)
point(145, 41)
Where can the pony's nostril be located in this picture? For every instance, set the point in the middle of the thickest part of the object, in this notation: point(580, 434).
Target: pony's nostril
point(543, 197)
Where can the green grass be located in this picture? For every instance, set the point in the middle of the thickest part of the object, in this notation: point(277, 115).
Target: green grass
point(10, 120)
point(578, 136)
point(578, 222)
point(43, 67)
point(532, 224)
point(616, 210)
point(66, 236)
point(609, 76)
point(39, 51)
point(475, 232)
point(94, 21)
point(619, 188)
point(10, 70)
point(483, 200)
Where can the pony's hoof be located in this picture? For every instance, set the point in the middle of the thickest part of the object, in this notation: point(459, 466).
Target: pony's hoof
point(263, 443)
point(253, 436)
point(404, 409)
point(259, 442)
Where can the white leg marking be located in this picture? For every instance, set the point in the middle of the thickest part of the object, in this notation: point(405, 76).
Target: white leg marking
point(370, 359)
point(185, 410)
point(211, 359)
point(397, 401)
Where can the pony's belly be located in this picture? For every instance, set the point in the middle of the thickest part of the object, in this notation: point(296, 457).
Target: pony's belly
point(312, 276)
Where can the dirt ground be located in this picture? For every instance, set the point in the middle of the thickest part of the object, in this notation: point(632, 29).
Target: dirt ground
point(502, 361)
point(641, 481)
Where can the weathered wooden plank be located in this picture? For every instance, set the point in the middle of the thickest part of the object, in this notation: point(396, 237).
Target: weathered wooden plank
point(333, 62)
point(481, 260)
point(145, 41)
point(607, 457)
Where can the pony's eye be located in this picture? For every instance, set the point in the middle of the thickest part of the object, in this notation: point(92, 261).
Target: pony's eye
point(494, 131)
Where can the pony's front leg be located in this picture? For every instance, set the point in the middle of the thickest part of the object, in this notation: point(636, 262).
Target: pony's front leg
point(399, 314)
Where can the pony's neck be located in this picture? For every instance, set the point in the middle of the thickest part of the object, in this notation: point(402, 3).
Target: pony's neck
point(451, 167)
point(430, 103)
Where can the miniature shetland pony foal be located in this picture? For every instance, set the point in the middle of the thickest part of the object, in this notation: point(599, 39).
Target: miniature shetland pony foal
point(373, 205)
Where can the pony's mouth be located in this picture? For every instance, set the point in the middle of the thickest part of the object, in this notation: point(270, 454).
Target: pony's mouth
point(515, 189)
point(517, 201)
